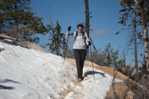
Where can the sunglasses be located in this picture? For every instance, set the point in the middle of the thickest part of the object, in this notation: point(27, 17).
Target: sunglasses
point(80, 29)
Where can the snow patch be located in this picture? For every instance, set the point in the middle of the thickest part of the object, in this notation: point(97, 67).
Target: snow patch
point(31, 74)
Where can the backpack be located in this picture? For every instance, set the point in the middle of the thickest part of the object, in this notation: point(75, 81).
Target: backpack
point(83, 35)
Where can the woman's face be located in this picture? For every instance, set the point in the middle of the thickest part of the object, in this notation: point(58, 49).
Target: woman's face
point(80, 30)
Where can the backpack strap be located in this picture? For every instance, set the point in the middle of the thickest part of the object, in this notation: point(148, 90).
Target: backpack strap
point(77, 34)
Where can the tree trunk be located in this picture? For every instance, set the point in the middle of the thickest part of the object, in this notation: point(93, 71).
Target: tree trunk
point(135, 44)
point(87, 18)
point(145, 37)
point(146, 46)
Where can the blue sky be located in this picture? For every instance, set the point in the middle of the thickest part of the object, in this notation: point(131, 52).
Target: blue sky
point(71, 12)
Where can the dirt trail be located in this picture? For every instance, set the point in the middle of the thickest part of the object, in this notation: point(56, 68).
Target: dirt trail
point(120, 88)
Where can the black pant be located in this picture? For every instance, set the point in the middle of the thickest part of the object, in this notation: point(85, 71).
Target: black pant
point(79, 55)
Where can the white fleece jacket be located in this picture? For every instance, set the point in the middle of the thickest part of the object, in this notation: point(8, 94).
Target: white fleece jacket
point(80, 40)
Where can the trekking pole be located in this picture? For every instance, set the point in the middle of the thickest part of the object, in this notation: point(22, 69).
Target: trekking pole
point(65, 51)
point(94, 46)
point(92, 62)
point(69, 28)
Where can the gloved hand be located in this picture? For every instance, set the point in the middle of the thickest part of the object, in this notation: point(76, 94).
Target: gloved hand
point(89, 43)
point(69, 28)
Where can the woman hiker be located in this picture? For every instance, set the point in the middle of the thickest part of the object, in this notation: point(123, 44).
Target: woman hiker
point(79, 48)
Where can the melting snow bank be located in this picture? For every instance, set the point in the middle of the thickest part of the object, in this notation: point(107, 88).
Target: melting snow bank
point(31, 74)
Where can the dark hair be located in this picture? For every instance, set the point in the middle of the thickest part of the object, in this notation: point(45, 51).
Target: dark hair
point(80, 25)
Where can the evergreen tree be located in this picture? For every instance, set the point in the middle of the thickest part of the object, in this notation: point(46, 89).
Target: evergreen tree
point(17, 20)
point(110, 55)
point(57, 40)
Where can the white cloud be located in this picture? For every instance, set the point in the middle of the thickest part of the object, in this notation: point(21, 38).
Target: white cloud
point(98, 32)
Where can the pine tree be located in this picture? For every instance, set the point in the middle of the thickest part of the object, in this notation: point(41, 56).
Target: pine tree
point(17, 20)
point(57, 40)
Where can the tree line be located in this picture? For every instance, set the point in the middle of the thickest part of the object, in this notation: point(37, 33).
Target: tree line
point(17, 20)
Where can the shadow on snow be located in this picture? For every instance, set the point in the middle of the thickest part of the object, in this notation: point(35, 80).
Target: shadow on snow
point(7, 81)
point(6, 87)
point(93, 72)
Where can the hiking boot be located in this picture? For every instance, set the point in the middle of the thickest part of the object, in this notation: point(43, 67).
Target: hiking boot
point(80, 79)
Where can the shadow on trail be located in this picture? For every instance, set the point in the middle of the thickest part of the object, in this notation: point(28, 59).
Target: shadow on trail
point(93, 72)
